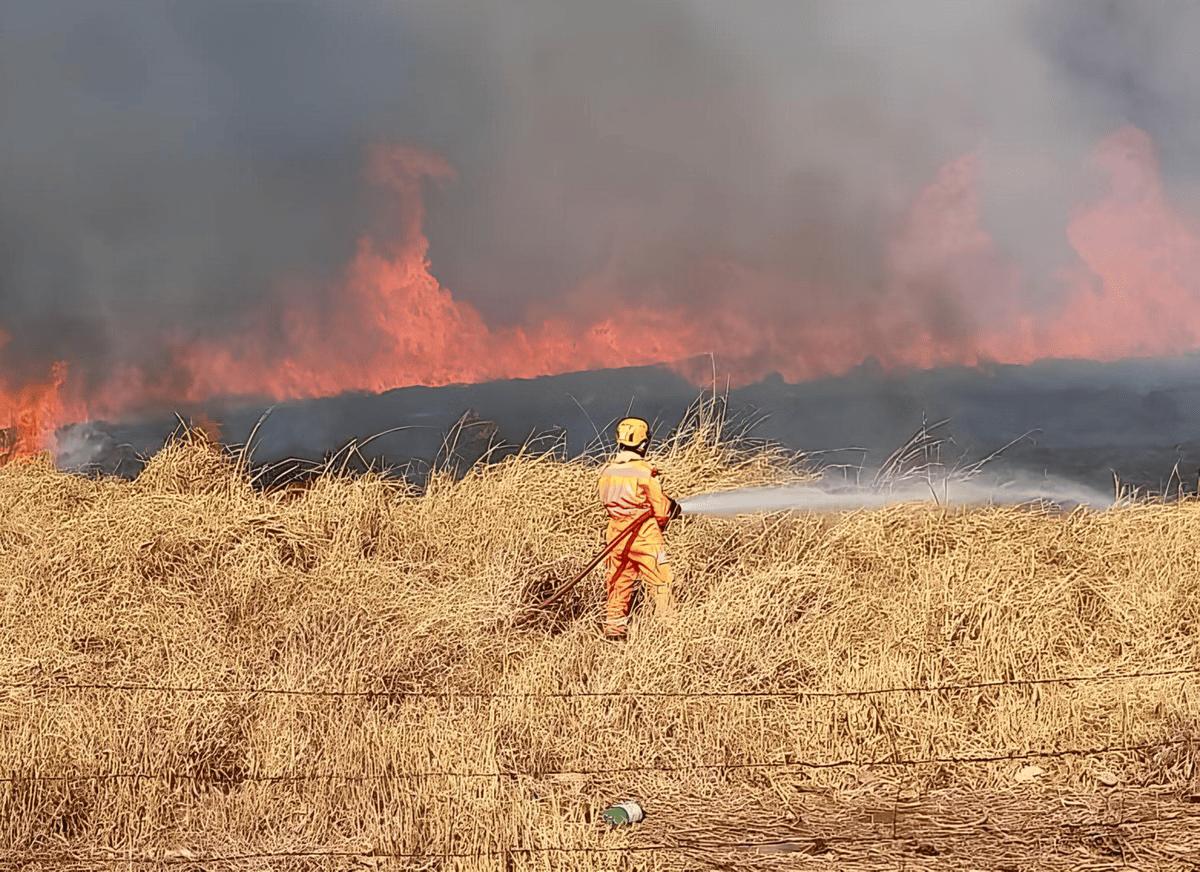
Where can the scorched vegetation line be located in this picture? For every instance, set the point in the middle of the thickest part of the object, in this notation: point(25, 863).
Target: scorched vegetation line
point(802, 844)
point(598, 694)
point(1040, 754)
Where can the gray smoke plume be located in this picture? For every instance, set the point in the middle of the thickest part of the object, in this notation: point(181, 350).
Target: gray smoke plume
point(167, 168)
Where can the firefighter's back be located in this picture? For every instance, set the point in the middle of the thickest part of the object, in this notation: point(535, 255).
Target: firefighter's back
point(623, 486)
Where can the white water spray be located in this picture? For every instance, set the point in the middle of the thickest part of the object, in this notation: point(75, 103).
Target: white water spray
point(825, 497)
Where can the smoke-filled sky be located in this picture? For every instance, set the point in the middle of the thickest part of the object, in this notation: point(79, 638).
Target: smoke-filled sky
point(292, 198)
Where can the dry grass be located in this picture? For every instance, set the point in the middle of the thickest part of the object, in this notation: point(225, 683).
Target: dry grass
point(188, 576)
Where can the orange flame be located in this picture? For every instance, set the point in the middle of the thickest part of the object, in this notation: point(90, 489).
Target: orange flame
point(951, 296)
point(396, 325)
point(30, 413)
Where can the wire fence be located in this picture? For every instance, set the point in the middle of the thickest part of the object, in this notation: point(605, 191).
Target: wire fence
point(421, 693)
point(704, 766)
point(783, 842)
point(809, 844)
point(894, 761)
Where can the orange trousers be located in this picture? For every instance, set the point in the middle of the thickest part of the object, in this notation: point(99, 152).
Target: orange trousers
point(642, 556)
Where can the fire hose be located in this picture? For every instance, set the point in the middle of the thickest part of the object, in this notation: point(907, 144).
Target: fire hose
point(625, 534)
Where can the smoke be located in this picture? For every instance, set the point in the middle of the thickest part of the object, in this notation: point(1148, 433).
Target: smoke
point(830, 498)
point(192, 202)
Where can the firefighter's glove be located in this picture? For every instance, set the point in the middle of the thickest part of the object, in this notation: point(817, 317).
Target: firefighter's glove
point(673, 512)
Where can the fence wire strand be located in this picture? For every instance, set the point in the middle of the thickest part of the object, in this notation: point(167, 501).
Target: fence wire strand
point(392, 694)
point(704, 766)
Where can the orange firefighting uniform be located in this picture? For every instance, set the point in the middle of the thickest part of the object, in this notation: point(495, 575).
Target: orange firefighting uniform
point(628, 488)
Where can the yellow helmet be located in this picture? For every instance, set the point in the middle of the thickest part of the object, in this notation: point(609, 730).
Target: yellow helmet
point(632, 432)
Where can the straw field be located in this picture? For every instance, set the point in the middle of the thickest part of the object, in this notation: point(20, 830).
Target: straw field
point(432, 721)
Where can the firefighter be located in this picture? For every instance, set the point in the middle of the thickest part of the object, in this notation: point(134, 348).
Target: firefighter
point(629, 489)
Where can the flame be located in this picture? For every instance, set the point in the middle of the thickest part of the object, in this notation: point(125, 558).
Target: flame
point(950, 296)
point(30, 413)
point(1134, 292)
point(396, 325)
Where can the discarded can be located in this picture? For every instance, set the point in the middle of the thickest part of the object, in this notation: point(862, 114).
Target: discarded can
point(623, 813)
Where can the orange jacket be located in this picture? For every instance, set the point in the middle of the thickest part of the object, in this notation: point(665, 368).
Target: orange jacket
point(629, 486)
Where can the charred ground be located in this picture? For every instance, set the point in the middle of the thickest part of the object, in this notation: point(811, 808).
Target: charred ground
point(1080, 420)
